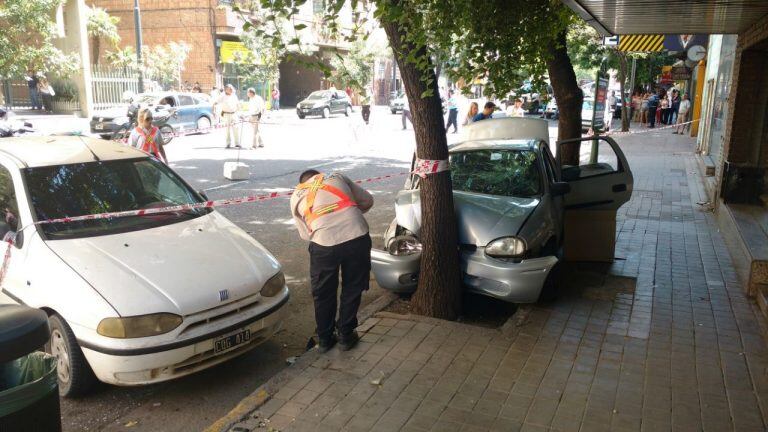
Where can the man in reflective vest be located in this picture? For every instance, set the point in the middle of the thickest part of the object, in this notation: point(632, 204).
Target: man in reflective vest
point(328, 211)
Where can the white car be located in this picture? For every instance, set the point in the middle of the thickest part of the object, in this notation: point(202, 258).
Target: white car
point(131, 300)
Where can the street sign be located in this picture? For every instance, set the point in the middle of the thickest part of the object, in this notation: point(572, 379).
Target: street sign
point(601, 95)
point(641, 43)
point(680, 73)
point(611, 40)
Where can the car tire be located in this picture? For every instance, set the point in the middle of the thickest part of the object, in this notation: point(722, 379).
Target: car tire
point(394, 111)
point(347, 110)
point(326, 112)
point(301, 116)
point(106, 137)
point(75, 375)
point(204, 123)
point(166, 132)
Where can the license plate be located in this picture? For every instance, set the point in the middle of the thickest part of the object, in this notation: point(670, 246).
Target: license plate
point(304, 109)
point(228, 342)
point(99, 126)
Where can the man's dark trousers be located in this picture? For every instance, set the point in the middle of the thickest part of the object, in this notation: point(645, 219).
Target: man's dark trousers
point(453, 115)
point(353, 258)
point(652, 116)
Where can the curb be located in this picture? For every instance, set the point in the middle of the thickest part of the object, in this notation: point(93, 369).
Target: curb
point(264, 392)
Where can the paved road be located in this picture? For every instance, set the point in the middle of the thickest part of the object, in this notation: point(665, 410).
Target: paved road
point(292, 145)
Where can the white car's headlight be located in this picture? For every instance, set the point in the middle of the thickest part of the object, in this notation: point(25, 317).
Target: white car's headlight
point(274, 285)
point(506, 247)
point(120, 120)
point(138, 326)
point(404, 245)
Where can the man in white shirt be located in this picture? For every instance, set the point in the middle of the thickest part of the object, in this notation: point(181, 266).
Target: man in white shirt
point(516, 110)
point(229, 106)
point(255, 109)
point(682, 115)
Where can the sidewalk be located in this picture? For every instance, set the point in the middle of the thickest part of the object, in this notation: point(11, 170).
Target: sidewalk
point(666, 341)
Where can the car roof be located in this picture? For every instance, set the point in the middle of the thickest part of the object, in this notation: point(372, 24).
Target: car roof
point(39, 151)
point(495, 144)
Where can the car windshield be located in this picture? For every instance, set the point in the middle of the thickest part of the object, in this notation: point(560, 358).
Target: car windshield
point(145, 99)
point(317, 95)
point(496, 172)
point(111, 186)
point(587, 105)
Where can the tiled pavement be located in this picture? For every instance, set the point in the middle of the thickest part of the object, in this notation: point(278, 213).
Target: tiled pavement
point(679, 348)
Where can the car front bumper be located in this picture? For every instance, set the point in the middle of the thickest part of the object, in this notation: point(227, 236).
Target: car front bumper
point(309, 111)
point(132, 366)
point(515, 282)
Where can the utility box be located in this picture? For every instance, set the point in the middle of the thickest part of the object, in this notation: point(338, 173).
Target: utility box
point(236, 171)
point(590, 235)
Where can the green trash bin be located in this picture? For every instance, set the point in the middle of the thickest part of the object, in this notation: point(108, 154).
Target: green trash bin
point(29, 390)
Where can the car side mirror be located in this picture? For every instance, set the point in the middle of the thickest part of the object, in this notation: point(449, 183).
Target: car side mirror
point(560, 188)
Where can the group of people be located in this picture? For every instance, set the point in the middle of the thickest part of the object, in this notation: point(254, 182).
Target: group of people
point(473, 112)
point(41, 92)
point(663, 107)
point(227, 106)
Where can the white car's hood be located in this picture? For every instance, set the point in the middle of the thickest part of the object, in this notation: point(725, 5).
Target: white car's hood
point(179, 268)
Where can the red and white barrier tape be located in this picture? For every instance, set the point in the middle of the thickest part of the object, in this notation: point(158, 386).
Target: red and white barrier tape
point(200, 130)
point(641, 131)
point(425, 167)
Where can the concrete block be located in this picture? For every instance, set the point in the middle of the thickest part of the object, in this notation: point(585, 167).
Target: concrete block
point(236, 171)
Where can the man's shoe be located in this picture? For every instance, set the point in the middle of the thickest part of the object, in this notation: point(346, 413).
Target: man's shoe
point(347, 342)
point(326, 344)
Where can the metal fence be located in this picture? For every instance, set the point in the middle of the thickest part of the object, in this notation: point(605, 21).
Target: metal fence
point(110, 84)
point(16, 94)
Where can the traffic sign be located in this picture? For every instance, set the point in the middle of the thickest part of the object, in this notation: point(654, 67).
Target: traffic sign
point(611, 40)
point(641, 43)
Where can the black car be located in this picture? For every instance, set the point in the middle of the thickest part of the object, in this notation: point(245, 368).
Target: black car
point(192, 111)
point(324, 103)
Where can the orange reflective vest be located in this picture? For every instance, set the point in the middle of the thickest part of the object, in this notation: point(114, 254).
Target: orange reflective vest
point(149, 144)
point(310, 214)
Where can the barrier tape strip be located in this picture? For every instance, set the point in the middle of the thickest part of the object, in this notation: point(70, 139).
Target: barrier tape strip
point(182, 133)
point(641, 131)
point(425, 167)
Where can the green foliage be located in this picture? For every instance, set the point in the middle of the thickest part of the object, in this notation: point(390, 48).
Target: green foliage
point(26, 39)
point(355, 68)
point(102, 25)
point(123, 58)
point(164, 63)
point(261, 63)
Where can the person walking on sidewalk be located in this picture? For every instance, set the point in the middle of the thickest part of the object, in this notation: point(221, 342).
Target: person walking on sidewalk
point(328, 212)
point(147, 137)
point(229, 106)
point(682, 115)
point(365, 103)
point(653, 105)
point(255, 109)
point(34, 96)
point(275, 99)
point(453, 112)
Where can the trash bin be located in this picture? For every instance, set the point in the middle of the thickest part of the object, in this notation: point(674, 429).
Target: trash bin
point(29, 390)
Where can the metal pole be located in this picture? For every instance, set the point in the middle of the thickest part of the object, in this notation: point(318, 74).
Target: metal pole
point(394, 74)
point(137, 25)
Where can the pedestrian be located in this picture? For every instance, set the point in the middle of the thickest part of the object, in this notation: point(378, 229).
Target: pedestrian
point(215, 93)
point(328, 212)
point(516, 110)
point(664, 107)
point(46, 93)
point(487, 112)
point(644, 109)
point(365, 103)
point(196, 88)
point(146, 136)
point(674, 106)
point(453, 112)
point(470, 118)
point(275, 99)
point(229, 105)
point(406, 111)
point(34, 97)
point(653, 105)
point(682, 115)
point(637, 101)
point(255, 109)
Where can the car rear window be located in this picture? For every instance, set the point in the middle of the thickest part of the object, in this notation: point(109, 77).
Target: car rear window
point(111, 186)
point(496, 172)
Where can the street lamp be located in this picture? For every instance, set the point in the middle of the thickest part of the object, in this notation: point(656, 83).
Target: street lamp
point(137, 26)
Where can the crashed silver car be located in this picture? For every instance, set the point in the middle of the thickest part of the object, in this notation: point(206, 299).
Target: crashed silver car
point(510, 197)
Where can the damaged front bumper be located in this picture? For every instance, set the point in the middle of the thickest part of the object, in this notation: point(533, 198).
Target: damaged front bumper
point(515, 282)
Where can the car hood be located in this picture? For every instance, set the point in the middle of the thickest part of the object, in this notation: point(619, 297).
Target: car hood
point(179, 268)
point(110, 113)
point(480, 218)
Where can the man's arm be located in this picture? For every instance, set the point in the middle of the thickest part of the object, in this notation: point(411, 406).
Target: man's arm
point(298, 220)
point(362, 197)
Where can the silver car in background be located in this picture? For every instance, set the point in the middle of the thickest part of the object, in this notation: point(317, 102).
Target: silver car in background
point(510, 195)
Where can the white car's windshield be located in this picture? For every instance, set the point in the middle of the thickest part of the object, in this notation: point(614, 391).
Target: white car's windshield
point(111, 186)
point(496, 172)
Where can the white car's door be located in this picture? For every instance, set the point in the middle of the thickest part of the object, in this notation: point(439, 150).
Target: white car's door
point(14, 248)
point(601, 178)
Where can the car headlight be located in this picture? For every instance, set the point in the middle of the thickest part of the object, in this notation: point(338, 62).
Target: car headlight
point(120, 120)
point(404, 245)
point(274, 285)
point(138, 326)
point(506, 247)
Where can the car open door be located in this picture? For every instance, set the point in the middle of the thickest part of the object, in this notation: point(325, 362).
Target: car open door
point(602, 179)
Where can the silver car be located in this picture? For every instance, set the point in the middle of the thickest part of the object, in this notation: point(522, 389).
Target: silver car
point(510, 197)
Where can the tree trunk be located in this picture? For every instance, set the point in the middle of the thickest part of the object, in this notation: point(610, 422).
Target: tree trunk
point(568, 95)
point(95, 42)
point(439, 290)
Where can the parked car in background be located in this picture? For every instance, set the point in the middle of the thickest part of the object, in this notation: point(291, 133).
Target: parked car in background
point(131, 300)
point(510, 197)
point(324, 103)
point(193, 111)
point(396, 104)
point(551, 111)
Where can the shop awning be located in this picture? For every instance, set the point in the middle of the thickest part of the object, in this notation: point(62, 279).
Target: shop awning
point(611, 17)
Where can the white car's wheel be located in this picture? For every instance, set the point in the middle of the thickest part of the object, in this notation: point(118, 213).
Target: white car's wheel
point(347, 110)
point(75, 375)
point(204, 124)
point(326, 112)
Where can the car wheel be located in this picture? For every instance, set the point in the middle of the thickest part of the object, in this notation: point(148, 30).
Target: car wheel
point(121, 134)
point(166, 132)
point(204, 123)
point(326, 112)
point(106, 137)
point(74, 373)
point(347, 110)
point(394, 111)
